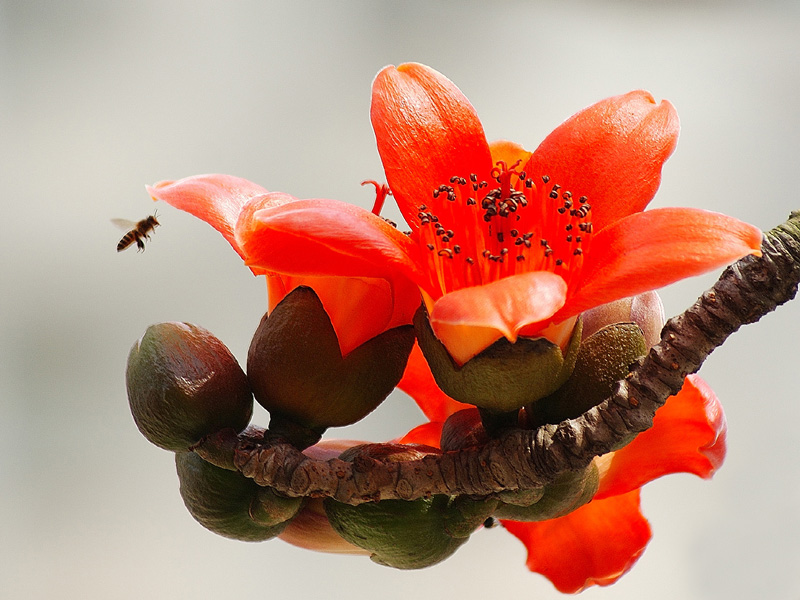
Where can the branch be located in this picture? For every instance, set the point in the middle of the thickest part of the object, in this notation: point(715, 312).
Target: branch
point(529, 459)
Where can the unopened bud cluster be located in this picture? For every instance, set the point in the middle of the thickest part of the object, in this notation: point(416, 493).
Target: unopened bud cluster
point(184, 386)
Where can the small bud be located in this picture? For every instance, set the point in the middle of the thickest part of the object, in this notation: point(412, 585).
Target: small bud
point(646, 310)
point(604, 358)
point(183, 384)
point(298, 373)
point(230, 504)
point(406, 534)
point(568, 492)
point(505, 376)
point(463, 429)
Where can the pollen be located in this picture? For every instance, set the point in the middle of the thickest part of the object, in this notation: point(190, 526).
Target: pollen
point(480, 231)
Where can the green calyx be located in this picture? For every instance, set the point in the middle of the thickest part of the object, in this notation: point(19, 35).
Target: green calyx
point(183, 384)
point(604, 358)
point(230, 504)
point(298, 374)
point(407, 534)
point(505, 376)
point(568, 492)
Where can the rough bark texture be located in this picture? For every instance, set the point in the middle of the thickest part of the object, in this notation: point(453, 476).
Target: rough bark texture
point(528, 459)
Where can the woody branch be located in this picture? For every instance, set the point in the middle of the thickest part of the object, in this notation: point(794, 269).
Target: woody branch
point(529, 459)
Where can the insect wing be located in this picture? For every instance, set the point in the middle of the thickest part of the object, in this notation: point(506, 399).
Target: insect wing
point(125, 224)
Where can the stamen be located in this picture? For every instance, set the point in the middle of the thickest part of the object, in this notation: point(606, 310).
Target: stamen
point(539, 222)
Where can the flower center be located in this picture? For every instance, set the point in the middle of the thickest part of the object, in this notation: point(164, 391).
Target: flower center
point(477, 234)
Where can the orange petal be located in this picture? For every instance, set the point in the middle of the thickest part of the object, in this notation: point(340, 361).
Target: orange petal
point(418, 383)
point(471, 319)
point(327, 237)
point(428, 434)
point(611, 152)
point(648, 250)
point(216, 199)
point(594, 545)
point(427, 132)
point(688, 436)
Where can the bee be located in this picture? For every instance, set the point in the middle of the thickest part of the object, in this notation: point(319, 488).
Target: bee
point(138, 232)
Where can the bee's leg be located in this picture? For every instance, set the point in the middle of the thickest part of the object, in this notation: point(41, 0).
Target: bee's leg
point(140, 243)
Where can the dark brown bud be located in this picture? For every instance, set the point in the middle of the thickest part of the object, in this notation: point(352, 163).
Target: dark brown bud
point(183, 384)
point(298, 374)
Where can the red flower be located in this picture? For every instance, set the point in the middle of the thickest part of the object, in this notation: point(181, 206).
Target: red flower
point(506, 242)
point(503, 243)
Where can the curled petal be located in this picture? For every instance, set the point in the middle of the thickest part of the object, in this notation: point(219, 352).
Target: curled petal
point(418, 382)
point(611, 152)
point(327, 237)
point(216, 199)
point(427, 132)
point(471, 319)
point(594, 545)
point(651, 249)
point(688, 436)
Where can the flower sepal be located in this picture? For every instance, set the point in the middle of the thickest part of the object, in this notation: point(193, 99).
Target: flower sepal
point(297, 371)
point(604, 358)
point(505, 376)
point(230, 504)
point(184, 384)
point(406, 534)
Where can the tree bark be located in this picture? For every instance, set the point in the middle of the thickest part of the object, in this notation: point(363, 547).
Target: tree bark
point(529, 459)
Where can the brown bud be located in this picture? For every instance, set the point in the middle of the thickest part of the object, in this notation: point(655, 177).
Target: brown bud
point(183, 384)
point(298, 373)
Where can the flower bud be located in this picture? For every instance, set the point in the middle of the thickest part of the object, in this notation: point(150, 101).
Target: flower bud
point(230, 504)
point(568, 492)
point(505, 376)
point(463, 429)
point(183, 384)
point(604, 358)
point(645, 310)
point(298, 374)
point(406, 534)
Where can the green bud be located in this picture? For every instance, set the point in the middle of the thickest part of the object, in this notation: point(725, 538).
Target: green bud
point(406, 534)
point(604, 358)
point(183, 384)
point(298, 373)
point(568, 492)
point(230, 504)
point(505, 376)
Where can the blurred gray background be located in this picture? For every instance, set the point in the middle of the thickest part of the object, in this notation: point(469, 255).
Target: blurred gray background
point(99, 98)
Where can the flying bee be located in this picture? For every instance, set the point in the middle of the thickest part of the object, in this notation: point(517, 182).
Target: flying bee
point(138, 232)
